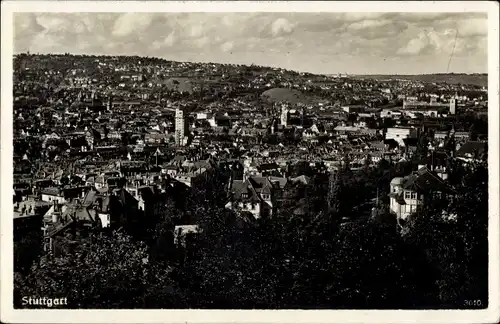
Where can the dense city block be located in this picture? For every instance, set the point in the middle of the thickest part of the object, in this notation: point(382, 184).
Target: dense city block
point(146, 183)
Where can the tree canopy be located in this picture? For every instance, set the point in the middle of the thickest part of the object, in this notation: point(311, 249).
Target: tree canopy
point(307, 260)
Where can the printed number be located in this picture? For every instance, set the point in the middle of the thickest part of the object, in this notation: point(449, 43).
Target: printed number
point(473, 302)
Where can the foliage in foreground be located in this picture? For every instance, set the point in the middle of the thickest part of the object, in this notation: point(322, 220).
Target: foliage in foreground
point(288, 261)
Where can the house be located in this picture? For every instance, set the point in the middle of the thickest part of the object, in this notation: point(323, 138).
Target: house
point(92, 137)
point(309, 134)
point(65, 226)
point(156, 138)
point(354, 109)
point(461, 136)
point(255, 195)
point(440, 135)
point(407, 194)
point(234, 168)
point(267, 169)
point(31, 206)
point(182, 233)
point(400, 133)
point(191, 176)
point(361, 123)
point(105, 181)
point(61, 196)
point(114, 209)
point(219, 120)
point(389, 113)
point(375, 156)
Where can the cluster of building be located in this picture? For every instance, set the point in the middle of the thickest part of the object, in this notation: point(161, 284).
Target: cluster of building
point(108, 149)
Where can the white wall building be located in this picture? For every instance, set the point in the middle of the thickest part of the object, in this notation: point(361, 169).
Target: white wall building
point(181, 128)
point(400, 133)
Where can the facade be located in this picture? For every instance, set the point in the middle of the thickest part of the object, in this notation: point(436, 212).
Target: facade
point(353, 109)
point(181, 128)
point(284, 115)
point(431, 108)
point(390, 113)
point(255, 195)
point(403, 201)
point(400, 133)
point(407, 194)
point(453, 106)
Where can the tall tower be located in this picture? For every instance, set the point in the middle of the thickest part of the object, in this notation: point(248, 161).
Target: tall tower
point(181, 127)
point(453, 106)
point(284, 115)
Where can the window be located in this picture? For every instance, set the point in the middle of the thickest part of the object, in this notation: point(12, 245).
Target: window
point(413, 195)
point(244, 195)
point(407, 194)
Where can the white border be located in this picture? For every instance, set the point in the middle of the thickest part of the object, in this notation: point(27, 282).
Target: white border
point(8, 314)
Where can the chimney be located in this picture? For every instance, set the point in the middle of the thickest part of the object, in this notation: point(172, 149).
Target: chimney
point(55, 217)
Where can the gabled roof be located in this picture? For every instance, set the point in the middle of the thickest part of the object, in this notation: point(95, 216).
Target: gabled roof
point(410, 141)
point(53, 191)
point(239, 188)
point(90, 197)
point(59, 228)
point(84, 214)
point(279, 180)
point(261, 185)
point(425, 180)
point(124, 197)
point(399, 198)
point(147, 192)
point(301, 179)
point(436, 158)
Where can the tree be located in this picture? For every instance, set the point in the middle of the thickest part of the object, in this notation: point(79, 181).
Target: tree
point(456, 250)
point(374, 269)
point(422, 148)
point(26, 251)
point(367, 163)
point(334, 193)
point(472, 133)
point(105, 272)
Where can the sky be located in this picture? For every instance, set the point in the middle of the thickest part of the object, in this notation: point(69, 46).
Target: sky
point(326, 43)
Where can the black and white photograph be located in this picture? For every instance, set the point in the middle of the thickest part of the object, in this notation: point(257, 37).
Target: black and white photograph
point(251, 159)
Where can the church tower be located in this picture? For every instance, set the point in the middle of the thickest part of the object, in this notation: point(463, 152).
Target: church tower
point(181, 127)
point(284, 115)
point(453, 106)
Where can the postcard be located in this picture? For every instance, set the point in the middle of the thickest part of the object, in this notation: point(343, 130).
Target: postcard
point(250, 162)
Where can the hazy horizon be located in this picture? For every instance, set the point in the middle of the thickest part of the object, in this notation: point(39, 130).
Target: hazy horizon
point(321, 43)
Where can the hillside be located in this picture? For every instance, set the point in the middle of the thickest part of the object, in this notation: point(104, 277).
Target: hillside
point(292, 96)
point(179, 84)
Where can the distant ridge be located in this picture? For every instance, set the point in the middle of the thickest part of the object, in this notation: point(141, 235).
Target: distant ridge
point(478, 79)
